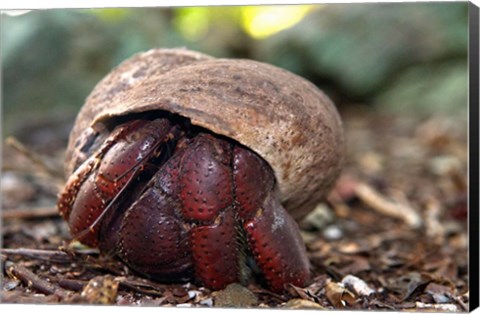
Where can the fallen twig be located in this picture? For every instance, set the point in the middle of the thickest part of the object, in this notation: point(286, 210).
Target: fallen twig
point(258, 290)
point(387, 207)
point(46, 255)
point(33, 281)
point(462, 304)
point(38, 161)
point(29, 213)
point(434, 228)
point(72, 284)
point(444, 307)
point(132, 285)
point(25, 297)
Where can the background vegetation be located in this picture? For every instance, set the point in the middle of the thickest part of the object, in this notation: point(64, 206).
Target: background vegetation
point(410, 58)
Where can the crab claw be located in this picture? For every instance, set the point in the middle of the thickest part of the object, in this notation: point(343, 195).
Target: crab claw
point(273, 236)
point(93, 188)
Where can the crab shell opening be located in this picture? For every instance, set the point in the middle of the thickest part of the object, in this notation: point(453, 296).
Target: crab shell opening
point(284, 118)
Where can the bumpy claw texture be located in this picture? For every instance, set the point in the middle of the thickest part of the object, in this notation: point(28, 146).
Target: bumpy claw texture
point(177, 203)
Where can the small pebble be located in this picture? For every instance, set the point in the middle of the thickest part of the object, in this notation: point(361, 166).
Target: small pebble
point(193, 293)
point(10, 284)
point(333, 232)
point(207, 302)
point(320, 217)
point(443, 165)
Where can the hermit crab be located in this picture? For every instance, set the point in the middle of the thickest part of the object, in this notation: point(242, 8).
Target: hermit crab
point(187, 167)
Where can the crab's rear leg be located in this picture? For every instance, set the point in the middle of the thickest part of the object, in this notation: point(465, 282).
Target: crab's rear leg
point(273, 236)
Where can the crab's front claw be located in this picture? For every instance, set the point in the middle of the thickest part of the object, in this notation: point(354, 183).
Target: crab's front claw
point(92, 190)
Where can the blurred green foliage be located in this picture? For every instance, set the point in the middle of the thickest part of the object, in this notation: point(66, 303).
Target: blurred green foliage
point(407, 57)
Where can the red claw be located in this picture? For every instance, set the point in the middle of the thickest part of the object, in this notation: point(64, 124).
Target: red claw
point(183, 218)
point(273, 235)
point(152, 240)
point(205, 179)
point(108, 172)
point(277, 246)
point(215, 252)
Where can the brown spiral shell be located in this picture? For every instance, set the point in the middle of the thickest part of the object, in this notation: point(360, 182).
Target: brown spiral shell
point(284, 118)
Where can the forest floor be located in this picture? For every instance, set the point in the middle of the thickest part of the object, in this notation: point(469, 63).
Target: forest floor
point(391, 235)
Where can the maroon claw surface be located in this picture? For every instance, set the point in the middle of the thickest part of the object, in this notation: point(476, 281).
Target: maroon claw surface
point(177, 207)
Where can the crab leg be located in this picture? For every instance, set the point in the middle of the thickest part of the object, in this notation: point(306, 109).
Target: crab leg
point(277, 246)
point(215, 252)
point(207, 200)
point(273, 236)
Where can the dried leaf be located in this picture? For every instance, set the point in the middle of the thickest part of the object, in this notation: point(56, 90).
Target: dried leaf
point(415, 286)
point(359, 246)
point(357, 265)
point(439, 293)
point(338, 295)
point(101, 290)
point(302, 293)
point(296, 304)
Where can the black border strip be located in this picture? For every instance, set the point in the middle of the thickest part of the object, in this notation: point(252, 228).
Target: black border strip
point(473, 157)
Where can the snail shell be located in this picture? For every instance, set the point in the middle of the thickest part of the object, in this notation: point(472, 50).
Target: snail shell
point(293, 125)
